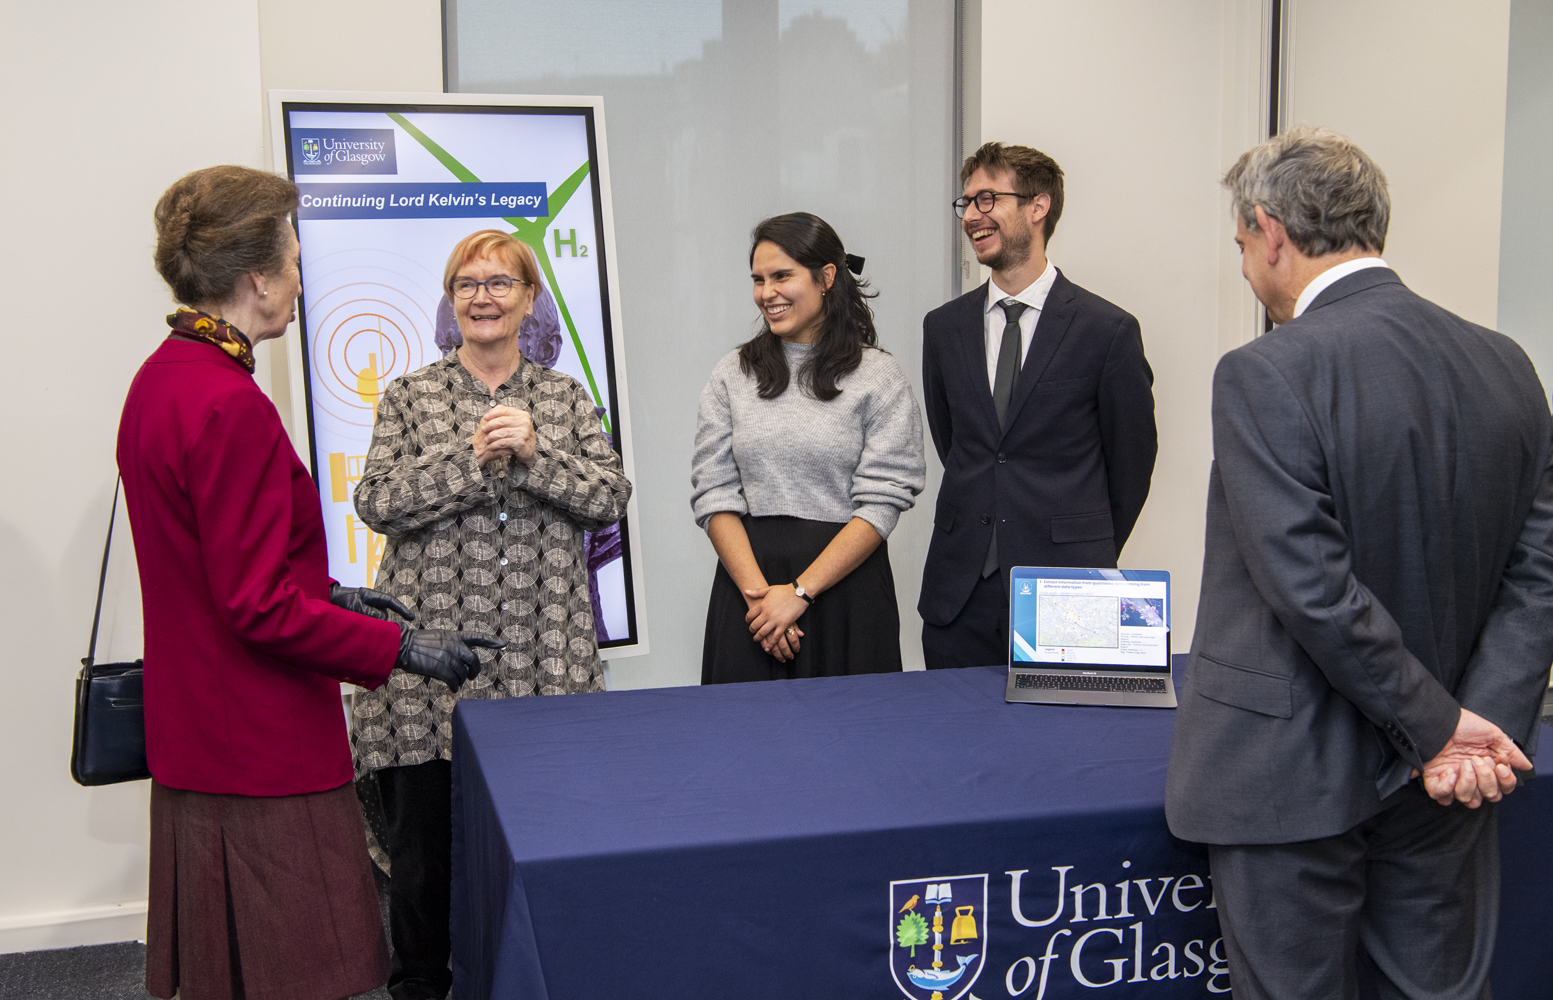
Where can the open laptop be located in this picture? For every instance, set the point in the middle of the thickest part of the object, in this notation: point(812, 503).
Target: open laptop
point(1089, 637)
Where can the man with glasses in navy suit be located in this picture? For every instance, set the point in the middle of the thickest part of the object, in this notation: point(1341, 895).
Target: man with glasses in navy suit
point(1041, 406)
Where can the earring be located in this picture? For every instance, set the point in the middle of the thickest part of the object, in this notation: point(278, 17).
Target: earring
point(266, 294)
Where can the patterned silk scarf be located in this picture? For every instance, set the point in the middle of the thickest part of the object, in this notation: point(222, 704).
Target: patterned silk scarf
point(203, 326)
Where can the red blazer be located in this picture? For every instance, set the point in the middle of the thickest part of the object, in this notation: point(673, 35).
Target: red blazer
point(244, 652)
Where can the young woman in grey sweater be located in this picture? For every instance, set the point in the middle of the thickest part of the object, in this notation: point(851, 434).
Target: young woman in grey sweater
point(808, 449)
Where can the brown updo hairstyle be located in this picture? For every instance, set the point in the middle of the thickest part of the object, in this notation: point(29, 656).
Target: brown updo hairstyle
point(215, 225)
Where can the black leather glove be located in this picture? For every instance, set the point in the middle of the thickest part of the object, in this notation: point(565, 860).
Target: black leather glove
point(359, 599)
point(443, 654)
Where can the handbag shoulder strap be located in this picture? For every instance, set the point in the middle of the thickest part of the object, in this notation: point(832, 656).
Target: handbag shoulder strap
point(102, 577)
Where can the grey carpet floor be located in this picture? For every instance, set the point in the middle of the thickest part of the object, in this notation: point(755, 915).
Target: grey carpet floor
point(97, 972)
point(104, 971)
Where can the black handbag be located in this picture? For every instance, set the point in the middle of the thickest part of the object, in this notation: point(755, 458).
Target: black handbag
point(110, 717)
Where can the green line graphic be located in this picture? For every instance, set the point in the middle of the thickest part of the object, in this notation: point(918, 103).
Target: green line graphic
point(443, 156)
point(530, 231)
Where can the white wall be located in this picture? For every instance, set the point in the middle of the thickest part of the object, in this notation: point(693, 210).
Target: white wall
point(1146, 105)
point(1134, 100)
point(1525, 255)
point(109, 103)
point(96, 134)
point(1420, 85)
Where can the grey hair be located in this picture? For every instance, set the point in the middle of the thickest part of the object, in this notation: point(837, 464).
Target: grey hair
point(1328, 194)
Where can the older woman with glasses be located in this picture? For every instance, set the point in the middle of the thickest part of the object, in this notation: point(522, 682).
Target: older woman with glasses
point(486, 468)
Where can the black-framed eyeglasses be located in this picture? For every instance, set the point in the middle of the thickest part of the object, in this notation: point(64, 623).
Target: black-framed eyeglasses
point(499, 286)
point(984, 201)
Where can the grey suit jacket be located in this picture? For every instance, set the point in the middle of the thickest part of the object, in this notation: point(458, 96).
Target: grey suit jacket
point(1379, 554)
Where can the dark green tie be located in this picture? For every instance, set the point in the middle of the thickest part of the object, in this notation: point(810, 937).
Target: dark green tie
point(1010, 359)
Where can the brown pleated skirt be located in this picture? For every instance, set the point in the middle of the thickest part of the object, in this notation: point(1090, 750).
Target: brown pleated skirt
point(256, 898)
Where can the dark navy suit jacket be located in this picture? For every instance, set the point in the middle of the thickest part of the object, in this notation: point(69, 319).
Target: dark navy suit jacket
point(1379, 554)
point(1067, 478)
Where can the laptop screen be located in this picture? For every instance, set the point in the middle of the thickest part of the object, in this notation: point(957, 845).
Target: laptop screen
point(1089, 618)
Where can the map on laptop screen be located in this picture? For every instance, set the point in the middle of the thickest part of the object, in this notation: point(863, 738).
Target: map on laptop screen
point(1109, 620)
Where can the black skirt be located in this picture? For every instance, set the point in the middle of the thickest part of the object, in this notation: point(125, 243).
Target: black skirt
point(852, 628)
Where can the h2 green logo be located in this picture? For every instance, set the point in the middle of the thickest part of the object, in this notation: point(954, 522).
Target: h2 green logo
point(572, 242)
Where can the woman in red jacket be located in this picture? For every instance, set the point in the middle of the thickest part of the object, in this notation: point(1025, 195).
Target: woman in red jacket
point(260, 881)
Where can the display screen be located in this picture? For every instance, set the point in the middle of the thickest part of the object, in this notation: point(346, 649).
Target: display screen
point(386, 193)
point(1110, 620)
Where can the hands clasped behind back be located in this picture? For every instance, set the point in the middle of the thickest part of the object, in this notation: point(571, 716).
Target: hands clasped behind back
point(1477, 764)
point(505, 431)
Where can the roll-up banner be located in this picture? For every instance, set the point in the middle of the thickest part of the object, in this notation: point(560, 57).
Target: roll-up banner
point(389, 184)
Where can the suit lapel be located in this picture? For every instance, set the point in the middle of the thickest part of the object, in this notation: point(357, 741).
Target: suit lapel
point(1056, 316)
point(973, 353)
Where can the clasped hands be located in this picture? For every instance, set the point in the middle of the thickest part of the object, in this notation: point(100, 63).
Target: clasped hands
point(1477, 764)
point(773, 617)
point(505, 431)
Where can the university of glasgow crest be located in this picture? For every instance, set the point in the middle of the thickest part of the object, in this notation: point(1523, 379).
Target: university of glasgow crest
point(310, 151)
point(938, 935)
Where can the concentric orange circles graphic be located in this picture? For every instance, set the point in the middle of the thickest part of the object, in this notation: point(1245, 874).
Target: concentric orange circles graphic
point(363, 335)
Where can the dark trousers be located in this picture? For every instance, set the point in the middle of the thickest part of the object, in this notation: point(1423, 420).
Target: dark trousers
point(978, 636)
point(418, 805)
point(1417, 885)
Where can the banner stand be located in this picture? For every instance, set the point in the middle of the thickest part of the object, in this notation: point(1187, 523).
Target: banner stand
point(389, 183)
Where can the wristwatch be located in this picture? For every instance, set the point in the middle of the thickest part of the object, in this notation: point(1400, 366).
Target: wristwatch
point(798, 589)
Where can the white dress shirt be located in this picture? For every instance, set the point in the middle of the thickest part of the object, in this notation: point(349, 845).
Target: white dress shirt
point(1325, 279)
point(995, 319)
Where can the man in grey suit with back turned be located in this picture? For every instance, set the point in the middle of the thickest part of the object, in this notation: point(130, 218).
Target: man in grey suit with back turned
point(1377, 604)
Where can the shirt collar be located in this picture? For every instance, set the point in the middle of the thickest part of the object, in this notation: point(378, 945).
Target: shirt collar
point(525, 375)
point(1034, 296)
point(1330, 276)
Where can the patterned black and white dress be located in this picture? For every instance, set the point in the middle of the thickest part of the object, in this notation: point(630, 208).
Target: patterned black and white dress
point(497, 551)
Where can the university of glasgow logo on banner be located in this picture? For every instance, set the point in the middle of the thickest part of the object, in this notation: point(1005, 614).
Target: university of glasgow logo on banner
point(311, 151)
point(938, 935)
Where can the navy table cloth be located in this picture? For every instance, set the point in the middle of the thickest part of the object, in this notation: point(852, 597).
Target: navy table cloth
point(883, 836)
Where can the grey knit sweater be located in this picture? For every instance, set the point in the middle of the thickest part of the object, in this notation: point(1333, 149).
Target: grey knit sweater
point(858, 455)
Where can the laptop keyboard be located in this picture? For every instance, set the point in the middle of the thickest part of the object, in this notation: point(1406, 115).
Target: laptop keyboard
point(1080, 682)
